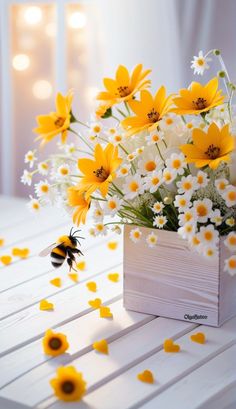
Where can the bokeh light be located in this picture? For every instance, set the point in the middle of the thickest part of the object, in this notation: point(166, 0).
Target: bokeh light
point(33, 15)
point(21, 62)
point(51, 29)
point(77, 20)
point(42, 89)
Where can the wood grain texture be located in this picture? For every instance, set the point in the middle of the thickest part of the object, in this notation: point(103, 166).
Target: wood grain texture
point(174, 281)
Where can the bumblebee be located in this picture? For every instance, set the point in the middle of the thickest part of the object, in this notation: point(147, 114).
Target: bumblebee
point(65, 248)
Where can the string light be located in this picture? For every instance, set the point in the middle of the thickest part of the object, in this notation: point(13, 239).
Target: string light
point(77, 20)
point(33, 15)
point(42, 89)
point(21, 62)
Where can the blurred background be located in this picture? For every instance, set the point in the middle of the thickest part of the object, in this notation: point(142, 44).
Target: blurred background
point(50, 46)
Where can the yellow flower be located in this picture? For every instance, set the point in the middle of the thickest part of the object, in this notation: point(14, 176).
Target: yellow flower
point(54, 344)
point(98, 173)
point(125, 86)
point(209, 148)
point(198, 98)
point(103, 110)
point(57, 122)
point(76, 199)
point(149, 111)
point(69, 384)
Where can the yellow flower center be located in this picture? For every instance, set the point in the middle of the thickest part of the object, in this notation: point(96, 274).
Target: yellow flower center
point(150, 166)
point(59, 122)
point(123, 91)
point(167, 176)
point(30, 157)
point(96, 128)
point(133, 186)
point(182, 202)
point(189, 125)
point(187, 185)
point(55, 343)
point(44, 166)
point(100, 227)
point(200, 179)
point(152, 239)
point(200, 103)
point(155, 181)
point(222, 186)
point(210, 252)
point(153, 116)
point(155, 138)
point(35, 206)
point(232, 195)
point(112, 205)
point(64, 171)
point(232, 263)
point(136, 234)
point(208, 235)
point(44, 188)
point(68, 387)
point(101, 174)
point(169, 121)
point(201, 210)
point(124, 171)
point(195, 241)
point(200, 61)
point(188, 217)
point(212, 152)
point(118, 138)
point(176, 163)
point(232, 241)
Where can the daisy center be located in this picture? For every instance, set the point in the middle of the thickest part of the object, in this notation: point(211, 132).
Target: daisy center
point(232, 263)
point(155, 180)
point(59, 122)
point(232, 241)
point(208, 236)
point(232, 196)
point(212, 152)
point(44, 188)
point(64, 171)
point(133, 186)
point(201, 210)
point(200, 103)
point(112, 205)
point(35, 206)
point(176, 163)
point(150, 166)
point(200, 61)
point(55, 343)
point(101, 174)
point(68, 387)
point(123, 91)
point(153, 116)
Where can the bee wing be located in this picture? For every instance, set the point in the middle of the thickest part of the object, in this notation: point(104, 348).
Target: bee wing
point(48, 250)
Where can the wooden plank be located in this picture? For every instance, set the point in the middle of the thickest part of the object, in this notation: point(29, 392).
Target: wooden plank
point(20, 361)
point(127, 392)
point(31, 292)
point(31, 323)
point(125, 352)
point(203, 387)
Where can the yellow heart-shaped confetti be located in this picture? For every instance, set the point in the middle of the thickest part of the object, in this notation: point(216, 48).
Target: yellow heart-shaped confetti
point(105, 312)
point(2, 241)
point(146, 376)
point(112, 245)
point(56, 282)
point(169, 346)
point(46, 305)
point(92, 286)
point(74, 277)
point(6, 260)
point(199, 337)
point(101, 346)
point(96, 303)
point(81, 265)
point(113, 277)
point(22, 253)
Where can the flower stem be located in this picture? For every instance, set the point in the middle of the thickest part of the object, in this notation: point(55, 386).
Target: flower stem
point(80, 136)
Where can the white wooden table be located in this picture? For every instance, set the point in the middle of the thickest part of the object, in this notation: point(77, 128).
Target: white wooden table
point(200, 376)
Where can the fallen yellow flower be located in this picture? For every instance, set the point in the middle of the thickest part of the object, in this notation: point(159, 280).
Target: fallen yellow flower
point(101, 346)
point(54, 344)
point(69, 384)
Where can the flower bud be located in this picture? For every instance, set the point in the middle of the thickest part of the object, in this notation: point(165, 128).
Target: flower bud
point(216, 52)
point(168, 200)
point(221, 74)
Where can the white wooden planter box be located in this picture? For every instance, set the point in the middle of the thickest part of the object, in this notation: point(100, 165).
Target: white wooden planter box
point(171, 280)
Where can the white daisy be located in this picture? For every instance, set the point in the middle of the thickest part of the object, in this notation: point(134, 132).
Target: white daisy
point(30, 158)
point(111, 131)
point(139, 150)
point(133, 186)
point(153, 181)
point(96, 128)
point(63, 171)
point(98, 213)
point(154, 137)
point(100, 229)
point(229, 195)
point(159, 221)
point(202, 179)
point(26, 178)
point(183, 202)
point(177, 163)
point(216, 217)
point(135, 235)
point(131, 156)
point(230, 221)
point(194, 241)
point(221, 184)
point(151, 239)
point(187, 230)
point(43, 168)
point(230, 265)
point(203, 209)
point(200, 63)
point(124, 170)
point(113, 205)
point(169, 176)
point(148, 164)
point(190, 215)
point(158, 207)
point(187, 184)
point(69, 148)
point(42, 188)
point(33, 204)
point(208, 235)
point(230, 241)
point(116, 139)
point(168, 122)
point(210, 252)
